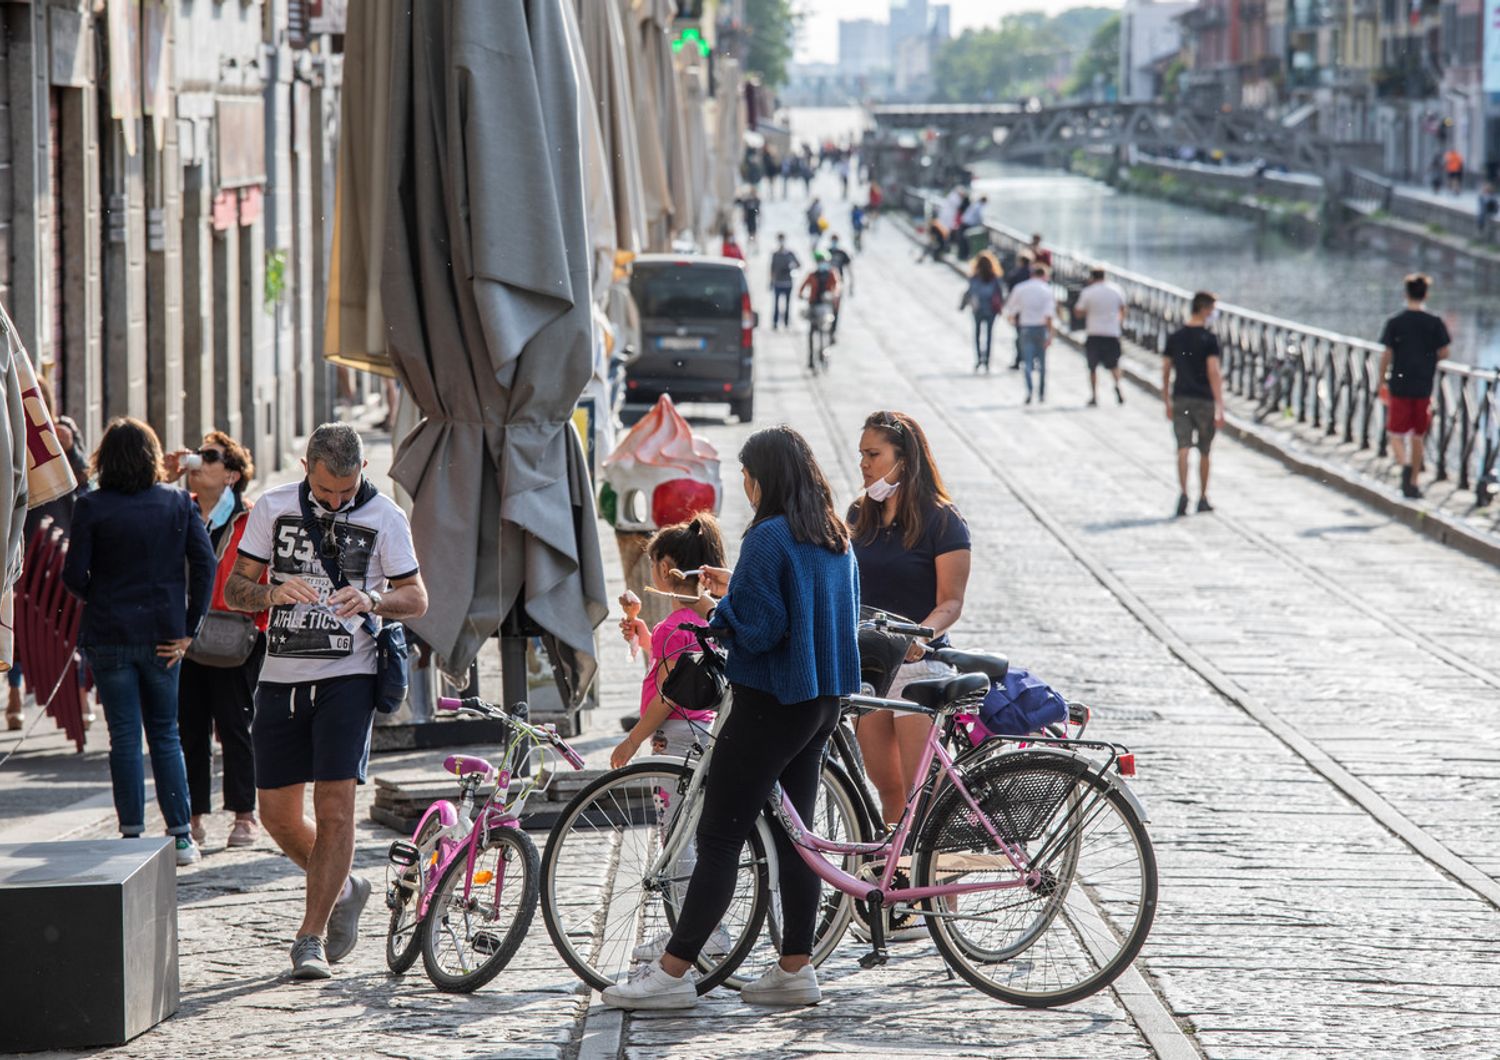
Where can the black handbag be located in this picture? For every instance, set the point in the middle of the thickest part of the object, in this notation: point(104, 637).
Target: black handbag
point(226, 639)
point(697, 681)
point(391, 675)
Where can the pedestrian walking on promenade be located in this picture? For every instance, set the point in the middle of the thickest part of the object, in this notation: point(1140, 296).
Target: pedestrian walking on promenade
point(749, 204)
point(1415, 341)
point(1103, 307)
point(141, 561)
point(784, 265)
point(984, 297)
point(913, 548)
point(971, 218)
point(1193, 385)
point(1487, 208)
point(806, 171)
point(1453, 168)
point(816, 222)
point(218, 694)
point(316, 697)
point(1018, 274)
point(790, 609)
point(1031, 309)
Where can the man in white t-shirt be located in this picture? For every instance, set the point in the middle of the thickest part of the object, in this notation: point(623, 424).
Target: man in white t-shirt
point(1103, 307)
point(316, 698)
point(1031, 307)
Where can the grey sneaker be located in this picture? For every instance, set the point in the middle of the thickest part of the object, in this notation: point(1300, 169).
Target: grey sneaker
point(343, 922)
point(308, 959)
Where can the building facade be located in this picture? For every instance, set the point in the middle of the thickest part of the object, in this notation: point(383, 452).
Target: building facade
point(1149, 33)
point(165, 172)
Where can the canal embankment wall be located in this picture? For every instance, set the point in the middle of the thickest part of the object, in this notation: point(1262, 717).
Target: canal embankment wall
point(1434, 236)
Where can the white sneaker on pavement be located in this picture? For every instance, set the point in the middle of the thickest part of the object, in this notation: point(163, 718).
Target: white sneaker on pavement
point(649, 987)
point(780, 987)
point(653, 949)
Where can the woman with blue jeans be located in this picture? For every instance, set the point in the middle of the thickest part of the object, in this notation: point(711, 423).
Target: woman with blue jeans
point(140, 559)
point(984, 296)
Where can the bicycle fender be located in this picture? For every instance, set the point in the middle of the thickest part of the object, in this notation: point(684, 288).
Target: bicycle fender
point(1110, 777)
point(768, 840)
point(447, 815)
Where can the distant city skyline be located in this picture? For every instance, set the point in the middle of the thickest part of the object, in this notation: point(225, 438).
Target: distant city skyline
point(818, 41)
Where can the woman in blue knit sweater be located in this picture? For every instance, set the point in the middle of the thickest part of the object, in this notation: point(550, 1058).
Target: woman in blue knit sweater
point(788, 615)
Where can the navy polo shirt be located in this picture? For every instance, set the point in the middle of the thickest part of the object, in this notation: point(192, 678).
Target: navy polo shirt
point(902, 580)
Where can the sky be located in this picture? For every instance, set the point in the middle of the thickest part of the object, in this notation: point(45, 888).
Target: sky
point(819, 39)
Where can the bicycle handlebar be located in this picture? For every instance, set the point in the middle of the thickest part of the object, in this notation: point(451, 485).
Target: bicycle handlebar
point(546, 734)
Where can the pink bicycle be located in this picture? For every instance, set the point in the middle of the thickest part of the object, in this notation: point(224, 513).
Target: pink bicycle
point(464, 889)
point(1030, 865)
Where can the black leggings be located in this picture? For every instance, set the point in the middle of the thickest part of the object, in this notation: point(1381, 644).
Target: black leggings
point(763, 741)
point(210, 697)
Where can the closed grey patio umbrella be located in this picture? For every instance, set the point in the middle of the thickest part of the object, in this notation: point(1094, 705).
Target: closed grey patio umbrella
point(607, 50)
point(485, 283)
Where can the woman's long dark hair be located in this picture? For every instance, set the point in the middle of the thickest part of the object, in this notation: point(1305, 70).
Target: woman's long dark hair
point(128, 458)
point(922, 486)
point(793, 485)
point(985, 266)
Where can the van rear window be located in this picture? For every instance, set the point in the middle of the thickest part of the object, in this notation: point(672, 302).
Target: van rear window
point(684, 292)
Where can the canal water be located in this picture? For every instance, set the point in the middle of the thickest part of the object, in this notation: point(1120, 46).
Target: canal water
point(1240, 260)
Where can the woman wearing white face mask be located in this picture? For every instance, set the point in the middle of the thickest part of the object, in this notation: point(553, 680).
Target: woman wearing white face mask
point(220, 696)
point(913, 550)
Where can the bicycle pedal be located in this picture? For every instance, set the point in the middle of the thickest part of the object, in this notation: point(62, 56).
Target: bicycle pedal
point(486, 943)
point(404, 854)
point(874, 959)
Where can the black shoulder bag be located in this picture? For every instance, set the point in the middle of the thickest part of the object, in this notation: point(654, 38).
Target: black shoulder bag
point(390, 638)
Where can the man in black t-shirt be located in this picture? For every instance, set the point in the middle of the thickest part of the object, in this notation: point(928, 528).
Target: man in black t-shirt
point(1193, 389)
point(1415, 341)
point(783, 264)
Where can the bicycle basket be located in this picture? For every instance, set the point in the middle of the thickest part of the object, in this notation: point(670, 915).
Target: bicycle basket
point(1019, 804)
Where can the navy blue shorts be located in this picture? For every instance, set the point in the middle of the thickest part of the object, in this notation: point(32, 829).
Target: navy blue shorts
point(314, 731)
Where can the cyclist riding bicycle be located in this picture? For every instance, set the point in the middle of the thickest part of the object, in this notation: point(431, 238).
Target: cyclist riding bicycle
point(822, 284)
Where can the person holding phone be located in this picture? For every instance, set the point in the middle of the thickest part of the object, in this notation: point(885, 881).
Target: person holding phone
point(787, 615)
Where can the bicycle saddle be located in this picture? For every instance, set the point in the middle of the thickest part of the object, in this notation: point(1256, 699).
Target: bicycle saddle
point(994, 667)
point(939, 692)
point(463, 765)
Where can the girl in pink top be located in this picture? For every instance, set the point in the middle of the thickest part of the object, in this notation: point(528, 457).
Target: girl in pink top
point(686, 547)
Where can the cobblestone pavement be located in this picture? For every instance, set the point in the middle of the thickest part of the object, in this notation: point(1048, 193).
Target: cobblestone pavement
point(1298, 675)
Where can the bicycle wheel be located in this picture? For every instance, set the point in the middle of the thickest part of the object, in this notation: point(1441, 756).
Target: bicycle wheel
point(812, 347)
point(480, 914)
point(402, 939)
point(606, 907)
point(837, 815)
point(1078, 916)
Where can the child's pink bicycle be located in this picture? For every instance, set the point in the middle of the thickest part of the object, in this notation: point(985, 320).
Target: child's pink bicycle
point(464, 889)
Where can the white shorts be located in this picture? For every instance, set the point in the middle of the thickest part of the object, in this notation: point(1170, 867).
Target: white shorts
point(921, 670)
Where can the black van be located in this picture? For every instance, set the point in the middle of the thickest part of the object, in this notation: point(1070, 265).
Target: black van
point(697, 332)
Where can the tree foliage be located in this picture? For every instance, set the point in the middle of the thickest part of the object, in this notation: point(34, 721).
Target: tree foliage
point(1029, 54)
point(1099, 67)
point(771, 26)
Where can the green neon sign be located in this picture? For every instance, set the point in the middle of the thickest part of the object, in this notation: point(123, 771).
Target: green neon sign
point(694, 36)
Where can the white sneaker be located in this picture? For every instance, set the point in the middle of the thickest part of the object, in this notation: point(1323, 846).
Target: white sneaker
point(779, 987)
point(187, 851)
point(654, 949)
point(649, 987)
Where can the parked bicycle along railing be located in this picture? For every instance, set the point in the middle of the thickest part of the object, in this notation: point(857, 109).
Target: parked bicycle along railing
point(1312, 376)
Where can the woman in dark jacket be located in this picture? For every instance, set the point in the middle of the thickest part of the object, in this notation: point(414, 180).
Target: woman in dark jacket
point(141, 561)
point(788, 613)
point(221, 697)
point(984, 295)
